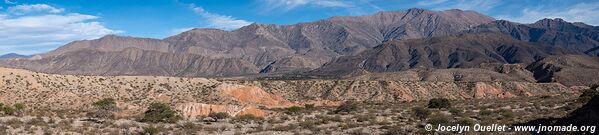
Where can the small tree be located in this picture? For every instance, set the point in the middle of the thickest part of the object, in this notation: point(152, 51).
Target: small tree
point(19, 108)
point(104, 108)
point(160, 112)
point(347, 106)
point(439, 103)
point(105, 104)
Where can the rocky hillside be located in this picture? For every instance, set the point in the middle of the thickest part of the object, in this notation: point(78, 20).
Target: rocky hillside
point(567, 69)
point(268, 48)
point(483, 73)
point(13, 55)
point(460, 51)
point(575, 37)
point(133, 61)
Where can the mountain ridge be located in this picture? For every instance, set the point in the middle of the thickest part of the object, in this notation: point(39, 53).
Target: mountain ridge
point(389, 41)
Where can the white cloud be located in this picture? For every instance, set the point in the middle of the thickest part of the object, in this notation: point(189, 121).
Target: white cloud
point(40, 32)
point(582, 12)
point(24, 9)
point(292, 4)
point(477, 5)
point(220, 21)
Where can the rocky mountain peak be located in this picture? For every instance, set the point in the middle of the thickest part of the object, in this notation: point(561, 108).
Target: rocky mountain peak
point(556, 23)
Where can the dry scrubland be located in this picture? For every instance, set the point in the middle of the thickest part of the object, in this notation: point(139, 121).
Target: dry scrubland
point(65, 104)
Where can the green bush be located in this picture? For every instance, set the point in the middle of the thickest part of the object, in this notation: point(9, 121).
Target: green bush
point(19, 106)
point(160, 112)
point(347, 106)
point(105, 104)
point(219, 115)
point(421, 113)
point(439, 103)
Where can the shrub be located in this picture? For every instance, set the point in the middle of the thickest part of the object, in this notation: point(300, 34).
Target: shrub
point(466, 121)
point(395, 130)
point(105, 104)
point(8, 110)
point(219, 115)
point(485, 112)
point(440, 119)
point(439, 103)
point(421, 113)
point(309, 106)
point(293, 110)
point(507, 114)
point(587, 95)
point(348, 106)
point(455, 112)
point(160, 112)
point(19, 106)
point(366, 118)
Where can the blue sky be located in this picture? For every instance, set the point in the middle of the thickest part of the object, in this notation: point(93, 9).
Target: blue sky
point(37, 26)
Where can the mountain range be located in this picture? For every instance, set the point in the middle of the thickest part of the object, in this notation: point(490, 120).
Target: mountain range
point(13, 55)
point(416, 40)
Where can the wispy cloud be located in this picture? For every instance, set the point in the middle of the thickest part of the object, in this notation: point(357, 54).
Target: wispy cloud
point(31, 29)
point(219, 21)
point(354, 7)
point(430, 2)
point(24, 9)
point(581, 12)
point(9, 2)
point(477, 5)
point(292, 4)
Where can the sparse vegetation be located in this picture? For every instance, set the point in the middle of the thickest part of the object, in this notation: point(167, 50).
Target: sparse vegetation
point(248, 118)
